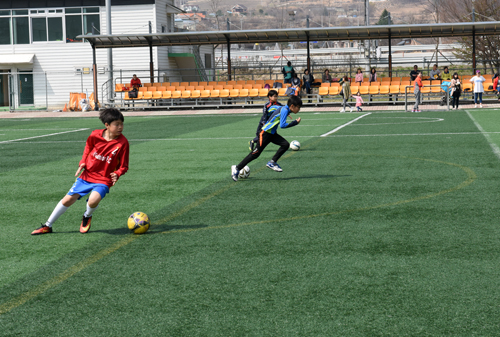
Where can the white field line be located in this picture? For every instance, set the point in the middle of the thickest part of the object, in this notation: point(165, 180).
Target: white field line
point(344, 125)
point(232, 138)
point(494, 147)
point(50, 134)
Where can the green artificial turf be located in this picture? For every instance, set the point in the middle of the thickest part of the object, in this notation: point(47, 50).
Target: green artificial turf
point(386, 227)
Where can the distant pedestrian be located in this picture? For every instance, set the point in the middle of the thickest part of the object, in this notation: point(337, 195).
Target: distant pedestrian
point(414, 73)
point(456, 90)
point(346, 91)
point(308, 80)
point(359, 101)
point(478, 81)
point(288, 72)
point(418, 92)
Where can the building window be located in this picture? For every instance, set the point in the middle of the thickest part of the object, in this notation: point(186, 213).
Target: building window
point(89, 22)
point(21, 30)
point(5, 27)
point(22, 26)
point(73, 27)
point(55, 29)
point(39, 28)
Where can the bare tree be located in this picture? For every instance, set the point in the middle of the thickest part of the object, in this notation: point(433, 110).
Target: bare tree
point(487, 47)
point(215, 7)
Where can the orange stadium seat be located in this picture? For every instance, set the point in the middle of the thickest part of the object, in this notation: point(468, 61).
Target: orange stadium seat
point(193, 84)
point(333, 90)
point(234, 93)
point(176, 94)
point(205, 93)
point(151, 89)
point(263, 92)
point(202, 83)
point(214, 93)
point(241, 82)
point(119, 87)
point(184, 84)
point(190, 88)
point(238, 86)
point(327, 85)
point(323, 91)
point(186, 94)
point(364, 90)
point(384, 89)
point(166, 94)
point(195, 94)
point(244, 93)
point(253, 93)
point(224, 93)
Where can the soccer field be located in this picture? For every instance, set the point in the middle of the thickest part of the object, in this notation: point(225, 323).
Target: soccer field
point(387, 226)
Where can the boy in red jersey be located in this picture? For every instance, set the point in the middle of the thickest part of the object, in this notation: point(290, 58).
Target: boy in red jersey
point(104, 160)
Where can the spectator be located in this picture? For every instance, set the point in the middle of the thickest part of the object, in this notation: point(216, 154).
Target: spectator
point(496, 85)
point(288, 72)
point(295, 84)
point(373, 75)
point(418, 92)
point(456, 90)
point(434, 74)
point(359, 76)
point(414, 73)
point(135, 82)
point(308, 80)
point(478, 88)
point(446, 75)
point(327, 78)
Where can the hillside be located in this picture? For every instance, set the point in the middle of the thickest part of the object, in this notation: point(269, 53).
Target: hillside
point(293, 13)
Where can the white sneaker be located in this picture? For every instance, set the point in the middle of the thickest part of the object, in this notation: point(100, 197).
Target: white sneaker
point(475, 105)
point(351, 110)
point(274, 166)
point(342, 110)
point(480, 105)
point(234, 173)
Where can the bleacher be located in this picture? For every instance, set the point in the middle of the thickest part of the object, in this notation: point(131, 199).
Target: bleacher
point(218, 93)
point(244, 92)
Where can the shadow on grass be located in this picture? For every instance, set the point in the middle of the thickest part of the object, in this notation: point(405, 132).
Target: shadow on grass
point(321, 176)
point(153, 229)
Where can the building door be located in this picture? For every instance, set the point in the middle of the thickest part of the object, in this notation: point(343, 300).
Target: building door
point(26, 88)
point(4, 89)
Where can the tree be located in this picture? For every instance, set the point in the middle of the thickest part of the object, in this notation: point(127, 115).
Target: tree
point(384, 18)
point(215, 7)
point(487, 47)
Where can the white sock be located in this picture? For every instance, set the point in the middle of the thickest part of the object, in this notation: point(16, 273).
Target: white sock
point(56, 213)
point(89, 211)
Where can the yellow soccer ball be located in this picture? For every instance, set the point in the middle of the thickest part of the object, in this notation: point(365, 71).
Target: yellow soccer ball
point(138, 222)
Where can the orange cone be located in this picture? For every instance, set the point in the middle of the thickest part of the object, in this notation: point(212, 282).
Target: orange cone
point(65, 107)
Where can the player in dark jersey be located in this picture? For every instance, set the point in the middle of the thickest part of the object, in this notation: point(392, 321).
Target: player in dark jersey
point(273, 101)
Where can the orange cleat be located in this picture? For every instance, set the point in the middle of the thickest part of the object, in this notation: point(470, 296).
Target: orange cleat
point(42, 230)
point(85, 225)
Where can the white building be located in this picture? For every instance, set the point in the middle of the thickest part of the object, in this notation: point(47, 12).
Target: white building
point(41, 61)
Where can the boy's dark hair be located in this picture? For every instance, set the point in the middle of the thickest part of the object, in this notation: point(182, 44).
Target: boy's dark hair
point(110, 115)
point(294, 100)
point(289, 63)
point(272, 93)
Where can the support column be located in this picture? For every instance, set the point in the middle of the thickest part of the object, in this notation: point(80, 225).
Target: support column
point(390, 55)
point(473, 50)
point(151, 65)
point(94, 73)
point(308, 54)
point(228, 59)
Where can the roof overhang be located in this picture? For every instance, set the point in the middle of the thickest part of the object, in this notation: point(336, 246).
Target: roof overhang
point(296, 35)
point(173, 9)
point(9, 59)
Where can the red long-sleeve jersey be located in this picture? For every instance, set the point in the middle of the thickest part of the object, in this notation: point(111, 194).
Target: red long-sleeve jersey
point(101, 158)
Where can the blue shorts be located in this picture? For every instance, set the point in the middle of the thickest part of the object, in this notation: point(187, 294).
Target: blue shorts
point(83, 187)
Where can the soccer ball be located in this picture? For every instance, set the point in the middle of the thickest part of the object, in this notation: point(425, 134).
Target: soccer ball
point(138, 222)
point(244, 172)
point(295, 145)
